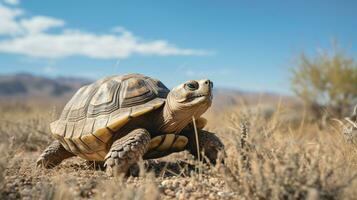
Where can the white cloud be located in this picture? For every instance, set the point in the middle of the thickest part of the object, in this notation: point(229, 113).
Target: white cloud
point(9, 25)
point(40, 24)
point(12, 2)
point(29, 37)
point(71, 43)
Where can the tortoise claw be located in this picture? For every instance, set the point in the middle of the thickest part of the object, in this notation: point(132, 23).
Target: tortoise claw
point(42, 162)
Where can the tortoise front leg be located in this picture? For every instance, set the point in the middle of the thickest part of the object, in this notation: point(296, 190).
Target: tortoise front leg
point(209, 144)
point(126, 151)
point(53, 155)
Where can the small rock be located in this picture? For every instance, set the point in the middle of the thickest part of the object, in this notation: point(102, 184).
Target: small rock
point(211, 196)
point(225, 194)
point(183, 183)
point(169, 192)
point(26, 192)
point(181, 196)
point(175, 184)
point(166, 183)
point(189, 187)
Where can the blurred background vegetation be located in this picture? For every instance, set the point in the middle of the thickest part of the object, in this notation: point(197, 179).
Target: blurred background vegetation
point(326, 82)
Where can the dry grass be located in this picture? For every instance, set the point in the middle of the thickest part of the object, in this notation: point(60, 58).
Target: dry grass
point(267, 158)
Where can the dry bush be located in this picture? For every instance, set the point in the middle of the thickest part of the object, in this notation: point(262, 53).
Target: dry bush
point(326, 82)
point(349, 126)
point(28, 130)
point(268, 160)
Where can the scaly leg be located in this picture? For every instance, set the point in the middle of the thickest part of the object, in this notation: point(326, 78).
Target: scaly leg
point(53, 155)
point(126, 151)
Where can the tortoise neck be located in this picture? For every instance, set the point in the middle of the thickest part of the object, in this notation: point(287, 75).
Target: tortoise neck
point(171, 121)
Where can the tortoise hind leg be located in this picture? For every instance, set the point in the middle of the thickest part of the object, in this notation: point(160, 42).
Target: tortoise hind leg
point(53, 155)
point(210, 145)
point(126, 151)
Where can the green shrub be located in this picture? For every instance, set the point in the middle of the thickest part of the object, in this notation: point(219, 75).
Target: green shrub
point(326, 82)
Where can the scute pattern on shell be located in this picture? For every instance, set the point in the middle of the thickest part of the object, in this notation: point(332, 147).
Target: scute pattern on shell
point(96, 111)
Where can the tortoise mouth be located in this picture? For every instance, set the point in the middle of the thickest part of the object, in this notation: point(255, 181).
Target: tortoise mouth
point(198, 97)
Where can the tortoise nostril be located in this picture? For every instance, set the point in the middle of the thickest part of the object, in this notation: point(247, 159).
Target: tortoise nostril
point(209, 83)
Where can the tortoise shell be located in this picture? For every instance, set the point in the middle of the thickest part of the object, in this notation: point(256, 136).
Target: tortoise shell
point(97, 111)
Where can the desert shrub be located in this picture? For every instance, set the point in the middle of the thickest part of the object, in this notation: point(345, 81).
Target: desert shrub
point(349, 127)
point(268, 160)
point(326, 82)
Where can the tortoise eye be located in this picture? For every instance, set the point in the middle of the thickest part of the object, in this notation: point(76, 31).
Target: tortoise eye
point(192, 85)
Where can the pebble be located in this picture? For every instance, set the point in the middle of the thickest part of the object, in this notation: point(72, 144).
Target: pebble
point(166, 183)
point(189, 187)
point(169, 192)
point(183, 183)
point(225, 194)
point(211, 196)
point(175, 184)
point(26, 192)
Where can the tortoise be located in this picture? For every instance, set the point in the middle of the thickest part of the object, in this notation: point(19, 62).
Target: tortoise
point(121, 119)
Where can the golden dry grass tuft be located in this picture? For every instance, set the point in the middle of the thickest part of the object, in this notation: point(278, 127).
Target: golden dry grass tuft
point(276, 156)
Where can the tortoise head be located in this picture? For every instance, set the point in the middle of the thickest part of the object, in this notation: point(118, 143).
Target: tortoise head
point(189, 99)
point(192, 94)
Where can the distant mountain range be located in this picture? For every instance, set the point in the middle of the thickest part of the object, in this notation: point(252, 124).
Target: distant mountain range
point(24, 84)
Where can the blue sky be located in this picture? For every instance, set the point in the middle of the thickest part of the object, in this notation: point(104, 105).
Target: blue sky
point(246, 45)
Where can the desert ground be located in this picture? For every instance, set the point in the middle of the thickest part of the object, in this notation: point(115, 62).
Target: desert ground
point(273, 152)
